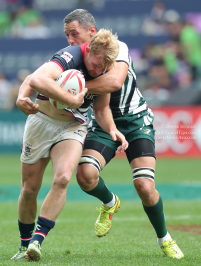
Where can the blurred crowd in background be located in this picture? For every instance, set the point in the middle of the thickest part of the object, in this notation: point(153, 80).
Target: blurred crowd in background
point(162, 68)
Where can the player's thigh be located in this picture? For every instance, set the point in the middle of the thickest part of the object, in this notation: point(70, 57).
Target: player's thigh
point(95, 154)
point(141, 156)
point(65, 157)
point(141, 153)
point(94, 157)
point(32, 174)
point(100, 144)
point(145, 161)
point(101, 149)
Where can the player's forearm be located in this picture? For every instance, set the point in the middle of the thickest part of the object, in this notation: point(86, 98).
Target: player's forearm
point(25, 90)
point(103, 84)
point(105, 119)
point(48, 87)
point(110, 81)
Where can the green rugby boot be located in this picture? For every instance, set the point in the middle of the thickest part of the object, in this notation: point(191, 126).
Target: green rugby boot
point(21, 254)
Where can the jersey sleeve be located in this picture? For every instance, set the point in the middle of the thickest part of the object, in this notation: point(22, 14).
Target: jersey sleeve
point(123, 55)
point(68, 58)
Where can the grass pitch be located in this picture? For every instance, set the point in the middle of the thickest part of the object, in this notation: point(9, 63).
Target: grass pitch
point(131, 241)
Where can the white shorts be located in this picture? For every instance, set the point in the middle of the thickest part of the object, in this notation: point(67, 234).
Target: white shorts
point(42, 132)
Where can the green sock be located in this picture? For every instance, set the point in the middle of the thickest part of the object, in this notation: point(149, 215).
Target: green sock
point(101, 192)
point(157, 218)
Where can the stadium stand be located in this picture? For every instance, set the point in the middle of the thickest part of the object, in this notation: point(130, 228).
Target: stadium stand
point(32, 30)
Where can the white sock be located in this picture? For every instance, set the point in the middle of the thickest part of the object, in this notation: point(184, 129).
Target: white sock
point(165, 238)
point(111, 203)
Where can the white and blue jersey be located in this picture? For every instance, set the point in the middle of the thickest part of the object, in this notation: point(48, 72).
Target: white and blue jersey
point(72, 57)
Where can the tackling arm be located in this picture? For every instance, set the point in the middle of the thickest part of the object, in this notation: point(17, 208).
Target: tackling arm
point(110, 81)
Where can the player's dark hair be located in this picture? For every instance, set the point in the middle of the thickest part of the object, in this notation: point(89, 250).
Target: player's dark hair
point(84, 18)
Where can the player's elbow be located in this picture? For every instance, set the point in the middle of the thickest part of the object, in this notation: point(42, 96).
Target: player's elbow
point(28, 78)
point(99, 113)
point(35, 81)
point(116, 84)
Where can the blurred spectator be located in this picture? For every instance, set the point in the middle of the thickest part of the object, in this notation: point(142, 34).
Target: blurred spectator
point(171, 56)
point(146, 58)
point(20, 20)
point(185, 81)
point(153, 25)
point(159, 71)
point(189, 41)
point(172, 16)
point(174, 62)
point(191, 48)
point(29, 24)
point(7, 95)
point(195, 20)
point(21, 75)
point(5, 23)
point(154, 94)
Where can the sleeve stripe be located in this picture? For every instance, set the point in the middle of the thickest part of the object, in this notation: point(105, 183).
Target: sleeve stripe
point(58, 64)
point(123, 61)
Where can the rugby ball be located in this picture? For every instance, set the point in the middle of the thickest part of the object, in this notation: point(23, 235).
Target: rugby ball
point(72, 81)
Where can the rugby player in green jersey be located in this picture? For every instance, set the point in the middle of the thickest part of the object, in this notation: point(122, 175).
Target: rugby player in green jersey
point(134, 119)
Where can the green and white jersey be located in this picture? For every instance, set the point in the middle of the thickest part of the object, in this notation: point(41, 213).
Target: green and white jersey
point(128, 99)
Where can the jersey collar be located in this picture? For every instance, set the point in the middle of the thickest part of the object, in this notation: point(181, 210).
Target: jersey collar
point(83, 49)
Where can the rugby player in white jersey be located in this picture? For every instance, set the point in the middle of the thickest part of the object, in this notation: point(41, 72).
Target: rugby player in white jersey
point(134, 119)
point(58, 135)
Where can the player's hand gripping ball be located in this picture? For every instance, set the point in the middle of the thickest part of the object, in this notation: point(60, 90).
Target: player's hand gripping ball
point(72, 81)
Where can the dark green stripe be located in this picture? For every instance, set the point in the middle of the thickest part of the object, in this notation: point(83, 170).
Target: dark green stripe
point(125, 192)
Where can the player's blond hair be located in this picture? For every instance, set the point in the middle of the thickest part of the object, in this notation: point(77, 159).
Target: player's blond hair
point(106, 43)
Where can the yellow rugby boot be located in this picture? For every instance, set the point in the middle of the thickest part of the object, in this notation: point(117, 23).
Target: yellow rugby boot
point(104, 222)
point(171, 249)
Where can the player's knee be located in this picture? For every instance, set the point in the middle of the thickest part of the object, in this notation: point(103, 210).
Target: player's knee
point(143, 187)
point(61, 181)
point(29, 192)
point(86, 176)
point(88, 171)
point(144, 181)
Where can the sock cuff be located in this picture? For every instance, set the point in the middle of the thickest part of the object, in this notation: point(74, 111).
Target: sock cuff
point(42, 221)
point(25, 227)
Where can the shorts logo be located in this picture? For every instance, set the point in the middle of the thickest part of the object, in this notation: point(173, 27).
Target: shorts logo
point(66, 56)
point(146, 131)
point(79, 132)
point(89, 96)
point(146, 154)
point(27, 150)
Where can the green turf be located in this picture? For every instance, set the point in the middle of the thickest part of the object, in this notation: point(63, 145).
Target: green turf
point(117, 171)
point(132, 241)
